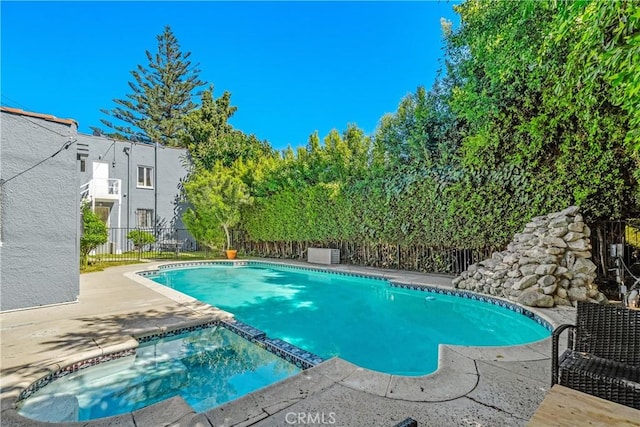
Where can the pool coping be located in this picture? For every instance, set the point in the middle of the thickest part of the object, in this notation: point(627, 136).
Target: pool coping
point(456, 376)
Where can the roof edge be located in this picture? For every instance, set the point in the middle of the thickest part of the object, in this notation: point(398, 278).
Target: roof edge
point(47, 117)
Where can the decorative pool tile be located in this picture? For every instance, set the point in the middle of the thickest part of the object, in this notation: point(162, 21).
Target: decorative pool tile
point(476, 297)
point(247, 263)
point(244, 330)
point(299, 357)
point(73, 368)
point(148, 273)
point(174, 332)
point(194, 264)
point(317, 269)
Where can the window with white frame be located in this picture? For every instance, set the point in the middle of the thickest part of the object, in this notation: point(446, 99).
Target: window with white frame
point(145, 177)
point(144, 218)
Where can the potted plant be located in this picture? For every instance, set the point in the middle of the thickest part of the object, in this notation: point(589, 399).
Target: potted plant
point(231, 253)
point(216, 198)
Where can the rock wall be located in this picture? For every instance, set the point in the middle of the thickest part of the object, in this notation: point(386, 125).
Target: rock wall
point(546, 265)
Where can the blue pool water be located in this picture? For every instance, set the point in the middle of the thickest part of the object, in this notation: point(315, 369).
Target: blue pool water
point(362, 320)
point(206, 367)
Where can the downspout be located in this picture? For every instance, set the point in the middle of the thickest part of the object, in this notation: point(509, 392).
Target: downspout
point(127, 152)
point(155, 190)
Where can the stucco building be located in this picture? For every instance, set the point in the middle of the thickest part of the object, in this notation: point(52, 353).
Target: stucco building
point(39, 215)
point(132, 185)
point(47, 169)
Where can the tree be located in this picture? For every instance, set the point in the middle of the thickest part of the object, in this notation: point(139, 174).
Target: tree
point(141, 238)
point(216, 198)
point(94, 233)
point(162, 95)
point(210, 138)
point(204, 227)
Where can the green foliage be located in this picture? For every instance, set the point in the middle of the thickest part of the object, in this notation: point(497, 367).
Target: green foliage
point(537, 110)
point(94, 232)
point(601, 74)
point(161, 95)
point(307, 214)
point(603, 56)
point(210, 138)
point(421, 133)
point(521, 108)
point(101, 265)
point(141, 238)
point(524, 122)
point(205, 228)
point(216, 198)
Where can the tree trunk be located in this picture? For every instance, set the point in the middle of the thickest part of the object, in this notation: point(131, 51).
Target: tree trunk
point(226, 232)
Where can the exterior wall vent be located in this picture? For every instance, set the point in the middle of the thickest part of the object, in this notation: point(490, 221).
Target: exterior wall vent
point(82, 149)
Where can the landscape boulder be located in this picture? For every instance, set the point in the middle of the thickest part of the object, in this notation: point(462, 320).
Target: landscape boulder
point(546, 264)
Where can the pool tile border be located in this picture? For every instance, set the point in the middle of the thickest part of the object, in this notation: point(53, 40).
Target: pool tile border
point(412, 286)
point(477, 297)
point(302, 358)
point(60, 373)
point(172, 333)
point(245, 330)
point(289, 352)
point(93, 361)
point(317, 269)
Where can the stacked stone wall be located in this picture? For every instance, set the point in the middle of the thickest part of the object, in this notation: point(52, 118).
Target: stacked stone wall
point(545, 265)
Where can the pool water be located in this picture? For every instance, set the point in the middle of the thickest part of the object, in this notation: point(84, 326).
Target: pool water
point(363, 320)
point(207, 368)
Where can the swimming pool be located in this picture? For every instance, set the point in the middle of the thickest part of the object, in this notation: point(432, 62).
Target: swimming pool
point(363, 320)
point(206, 367)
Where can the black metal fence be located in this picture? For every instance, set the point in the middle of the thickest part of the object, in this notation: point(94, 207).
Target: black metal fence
point(455, 261)
point(382, 255)
point(176, 243)
point(137, 243)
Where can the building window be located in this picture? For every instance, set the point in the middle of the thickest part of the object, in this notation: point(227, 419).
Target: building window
point(145, 177)
point(144, 218)
point(83, 163)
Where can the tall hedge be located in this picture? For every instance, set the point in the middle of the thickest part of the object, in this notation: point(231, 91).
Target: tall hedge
point(536, 111)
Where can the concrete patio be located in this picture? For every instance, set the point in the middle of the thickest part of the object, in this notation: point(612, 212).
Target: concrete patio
point(474, 386)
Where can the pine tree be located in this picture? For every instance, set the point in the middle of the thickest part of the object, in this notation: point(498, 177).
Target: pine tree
point(162, 95)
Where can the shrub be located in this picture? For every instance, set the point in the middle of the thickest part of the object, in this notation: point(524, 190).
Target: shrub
point(94, 233)
point(141, 238)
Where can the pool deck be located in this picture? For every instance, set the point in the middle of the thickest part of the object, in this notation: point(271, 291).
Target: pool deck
point(473, 386)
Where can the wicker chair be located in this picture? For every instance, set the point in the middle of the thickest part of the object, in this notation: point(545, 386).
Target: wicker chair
point(603, 354)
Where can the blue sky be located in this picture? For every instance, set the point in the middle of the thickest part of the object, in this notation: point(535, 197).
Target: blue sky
point(292, 67)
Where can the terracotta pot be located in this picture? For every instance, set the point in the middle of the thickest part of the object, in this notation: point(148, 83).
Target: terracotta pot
point(231, 253)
